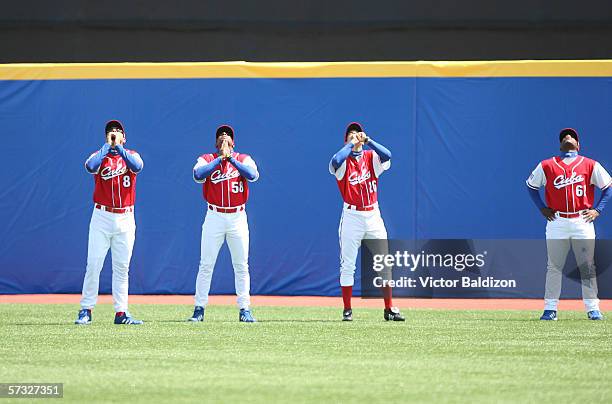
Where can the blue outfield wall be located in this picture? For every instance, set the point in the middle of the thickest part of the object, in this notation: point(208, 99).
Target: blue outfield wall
point(462, 149)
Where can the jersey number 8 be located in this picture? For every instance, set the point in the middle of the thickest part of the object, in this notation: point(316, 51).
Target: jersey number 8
point(126, 181)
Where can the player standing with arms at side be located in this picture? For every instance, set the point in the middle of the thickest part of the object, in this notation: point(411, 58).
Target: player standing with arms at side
point(569, 182)
point(225, 176)
point(112, 222)
point(357, 171)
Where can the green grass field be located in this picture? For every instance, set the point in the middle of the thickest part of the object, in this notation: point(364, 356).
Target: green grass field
point(307, 355)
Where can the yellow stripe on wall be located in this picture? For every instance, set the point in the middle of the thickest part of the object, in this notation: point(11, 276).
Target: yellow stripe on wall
point(189, 70)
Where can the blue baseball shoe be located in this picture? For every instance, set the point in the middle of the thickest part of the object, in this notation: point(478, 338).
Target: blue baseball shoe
point(549, 315)
point(595, 315)
point(198, 314)
point(126, 318)
point(84, 317)
point(246, 316)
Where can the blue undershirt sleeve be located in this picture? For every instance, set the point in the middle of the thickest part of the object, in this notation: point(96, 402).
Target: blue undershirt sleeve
point(93, 163)
point(200, 173)
point(534, 194)
point(603, 200)
point(246, 171)
point(341, 155)
point(133, 162)
point(383, 153)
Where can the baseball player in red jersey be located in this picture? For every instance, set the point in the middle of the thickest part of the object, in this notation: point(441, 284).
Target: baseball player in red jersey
point(225, 176)
point(112, 222)
point(357, 171)
point(569, 181)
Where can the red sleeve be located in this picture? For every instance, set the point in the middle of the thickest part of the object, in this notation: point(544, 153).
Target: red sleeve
point(241, 157)
point(208, 157)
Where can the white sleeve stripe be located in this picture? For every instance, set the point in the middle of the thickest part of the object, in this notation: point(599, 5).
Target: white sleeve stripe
point(531, 186)
point(195, 179)
point(607, 186)
point(331, 168)
point(92, 172)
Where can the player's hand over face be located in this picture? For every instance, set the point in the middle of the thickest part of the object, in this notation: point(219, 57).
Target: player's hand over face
point(114, 138)
point(225, 148)
point(590, 215)
point(119, 138)
point(353, 138)
point(548, 213)
point(363, 138)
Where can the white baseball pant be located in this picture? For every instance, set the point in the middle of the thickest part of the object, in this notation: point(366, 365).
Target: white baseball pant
point(354, 227)
point(117, 232)
point(216, 228)
point(561, 234)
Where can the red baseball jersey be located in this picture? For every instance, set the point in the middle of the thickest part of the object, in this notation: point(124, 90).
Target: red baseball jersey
point(569, 183)
point(115, 183)
point(225, 187)
point(357, 178)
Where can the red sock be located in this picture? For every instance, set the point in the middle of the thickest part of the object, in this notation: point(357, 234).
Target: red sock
point(119, 313)
point(347, 293)
point(387, 296)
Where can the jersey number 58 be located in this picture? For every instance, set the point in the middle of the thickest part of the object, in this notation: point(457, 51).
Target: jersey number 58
point(237, 187)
